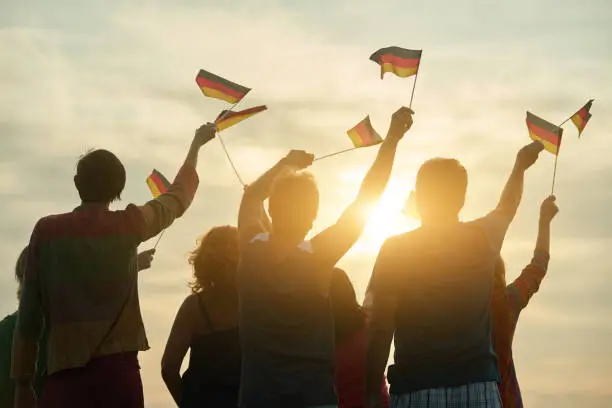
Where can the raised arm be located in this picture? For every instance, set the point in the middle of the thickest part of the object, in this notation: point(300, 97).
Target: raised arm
point(527, 284)
point(382, 302)
point(336, 240)
point(252, 218)
point(498, 221)
point(28, 328)
point(161, 212)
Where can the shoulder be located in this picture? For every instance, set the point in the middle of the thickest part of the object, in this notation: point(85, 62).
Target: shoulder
point(401, 241)
point(52, 225)
point(8, 323)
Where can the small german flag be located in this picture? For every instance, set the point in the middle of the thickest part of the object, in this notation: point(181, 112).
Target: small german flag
point(400, 61)
point(545, 132)
point(581, 118)
point(227, 119)
point(157, 183)
point(363, 134)
point(216, 87)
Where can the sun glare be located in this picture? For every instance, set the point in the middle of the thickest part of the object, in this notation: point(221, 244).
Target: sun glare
point(386, 219)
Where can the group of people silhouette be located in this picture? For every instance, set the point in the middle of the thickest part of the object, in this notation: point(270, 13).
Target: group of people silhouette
point(270, 320)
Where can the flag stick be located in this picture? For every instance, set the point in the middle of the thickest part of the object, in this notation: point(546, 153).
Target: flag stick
point(416, 76)
point(223, 144)
point(336, 153)
point(159, 239)
point(554, 174)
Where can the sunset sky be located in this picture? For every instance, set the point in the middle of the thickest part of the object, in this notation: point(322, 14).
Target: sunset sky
point(120, 75)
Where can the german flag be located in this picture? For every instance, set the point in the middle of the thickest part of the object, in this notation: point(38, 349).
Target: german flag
point(216, 87)
point(581, 118)
point(545, 132)
point(157, 183)
point(364, 134)
point(227, 119)
point(400, 61)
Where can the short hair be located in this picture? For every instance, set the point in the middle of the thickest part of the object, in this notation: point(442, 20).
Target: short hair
point(294, 198)
point(441, 185)
point(215, 260)
point(100, 177)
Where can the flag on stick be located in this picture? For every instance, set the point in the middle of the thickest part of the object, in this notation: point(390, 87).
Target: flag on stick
point(364, 134)
point(216, 87)
point(545, 132)
point(227, 119)
point(581, 118)
point(157, 183)
point(400, 61)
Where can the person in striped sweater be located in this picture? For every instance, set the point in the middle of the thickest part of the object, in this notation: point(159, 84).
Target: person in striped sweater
point(509, 300)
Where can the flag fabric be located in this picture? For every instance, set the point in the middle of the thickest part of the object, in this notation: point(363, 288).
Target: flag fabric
point(364, 134)
point(216, 87)
point(545, 132)
point(400, 61)
point(227, 119)
point(157, 183)
point(581, 118)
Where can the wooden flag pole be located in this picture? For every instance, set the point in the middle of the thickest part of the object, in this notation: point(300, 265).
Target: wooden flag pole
point(223, 144)
point(335, 154)
point(416, 76)
point(552, 191)
point(159, 239)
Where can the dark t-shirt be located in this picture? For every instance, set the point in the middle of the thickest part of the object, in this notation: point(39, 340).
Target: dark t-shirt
point(7, 385)
point(442, 280)
point(286, 328)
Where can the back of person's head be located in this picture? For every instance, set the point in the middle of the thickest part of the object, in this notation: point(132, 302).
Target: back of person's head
point(100, 177)
point(294, 204)
point(349, 316)
point(441, 185)
point(215, 261)
point(20, 268)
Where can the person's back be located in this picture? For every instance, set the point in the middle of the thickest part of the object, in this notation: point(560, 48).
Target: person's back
point(443, 329)
point(286, 321)
point(81, 276)
point(431, 291)
point(207, 326)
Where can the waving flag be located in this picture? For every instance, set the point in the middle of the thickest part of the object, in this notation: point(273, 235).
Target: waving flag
point(364, 134)
point(216, 87)
point(400, 61)
point(157, 183)
point(227, 119)
point(545, 132)
point(581, 118)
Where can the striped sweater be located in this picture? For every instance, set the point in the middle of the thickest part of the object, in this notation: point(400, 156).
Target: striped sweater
point(81, 278)
point(507, 304)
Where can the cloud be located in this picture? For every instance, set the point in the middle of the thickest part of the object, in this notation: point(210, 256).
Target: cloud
point(120, 75)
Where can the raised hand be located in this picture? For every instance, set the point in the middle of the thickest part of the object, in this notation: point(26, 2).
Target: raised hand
point(299, 159)
point(548, 209)
point(401, 121)
point(145, 259)
point(204, 134)
point(528, 155)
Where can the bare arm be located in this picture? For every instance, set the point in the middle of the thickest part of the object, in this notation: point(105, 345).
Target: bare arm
point(528, 283)
point(498, 221)
point(161, 212)
point(381, 316)
point(176, 348)
point(336, 240)
point(252, 218)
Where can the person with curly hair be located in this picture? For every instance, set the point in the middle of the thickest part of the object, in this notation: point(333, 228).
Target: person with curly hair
point(207, 325)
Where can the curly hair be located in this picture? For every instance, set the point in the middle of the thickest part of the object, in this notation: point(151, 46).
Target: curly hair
point(215, 260)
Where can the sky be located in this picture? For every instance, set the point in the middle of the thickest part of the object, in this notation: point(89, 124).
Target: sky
point(120, 75)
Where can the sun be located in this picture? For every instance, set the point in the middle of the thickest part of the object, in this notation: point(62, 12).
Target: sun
point(386, 219)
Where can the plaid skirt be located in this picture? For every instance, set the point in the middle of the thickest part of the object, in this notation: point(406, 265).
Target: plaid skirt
point(478, 395)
